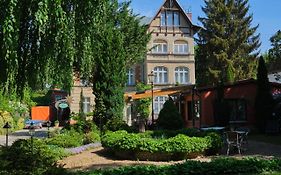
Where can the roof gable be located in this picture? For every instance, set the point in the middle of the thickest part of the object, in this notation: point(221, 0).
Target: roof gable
point(172, 4)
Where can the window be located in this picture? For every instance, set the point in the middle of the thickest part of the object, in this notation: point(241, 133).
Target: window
point(86, 104)
point(160, 47)
point(131, 77)
point(170, 18)
point(160, 75)
point(176, 19)
point(237, 109)
point(158, 103)
point(180, 47)
point(181, 75)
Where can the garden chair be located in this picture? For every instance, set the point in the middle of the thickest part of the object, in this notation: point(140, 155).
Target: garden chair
point(244, 134)
point(233, 140)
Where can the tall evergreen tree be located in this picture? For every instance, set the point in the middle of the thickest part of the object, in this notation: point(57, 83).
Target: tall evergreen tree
point(227, 43)
point(120, 41)
point(264, 100)
point(274, 54)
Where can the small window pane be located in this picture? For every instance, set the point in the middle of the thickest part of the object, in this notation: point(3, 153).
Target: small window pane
point(169, 18)
point(163, 19)
point(176, 19)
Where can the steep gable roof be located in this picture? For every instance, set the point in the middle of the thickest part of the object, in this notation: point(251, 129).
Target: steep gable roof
point(176, 3)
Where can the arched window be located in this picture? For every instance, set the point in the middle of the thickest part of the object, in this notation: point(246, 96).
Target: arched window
point(158, 103)
point(160, 46)
point(180, 47)
point(131, 77)
point(182, 75)
point(160, 75)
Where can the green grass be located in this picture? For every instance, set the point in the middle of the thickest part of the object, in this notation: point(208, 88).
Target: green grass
point(273, 139)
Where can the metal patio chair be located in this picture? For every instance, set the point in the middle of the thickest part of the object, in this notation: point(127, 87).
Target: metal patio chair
point(233, 140)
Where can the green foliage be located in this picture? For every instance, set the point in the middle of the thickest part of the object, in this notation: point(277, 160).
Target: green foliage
point(264, 99)
point(227, 44)
point(218, 166)
point(274, 53)
point(67, 139)
point(35, 44)
point(121, 41)
point(82, 126)
point(41, 98)
point(116, 124)
point(169, 117)
point(143, 105)
point(123, 141)
point(91, 137)
point(27, 158)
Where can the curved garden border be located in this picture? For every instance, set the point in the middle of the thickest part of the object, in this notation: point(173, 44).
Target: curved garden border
point(144, 147)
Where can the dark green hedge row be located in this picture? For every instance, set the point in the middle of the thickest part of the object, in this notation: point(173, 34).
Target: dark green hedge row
point(123, 141)
point(222, 166)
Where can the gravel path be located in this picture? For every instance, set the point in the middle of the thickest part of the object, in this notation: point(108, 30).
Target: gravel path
point(98, 158)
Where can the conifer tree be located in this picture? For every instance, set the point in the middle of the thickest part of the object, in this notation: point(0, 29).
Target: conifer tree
point(227, 43)
point(264, 100)
point(274, 54)
point(169, 117)
point(120, 41)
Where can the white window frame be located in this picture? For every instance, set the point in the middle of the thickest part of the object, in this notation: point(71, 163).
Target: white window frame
point(86, 104)
point(160, 48)
point(181, 48)
point(182, 75)
point(131, 77)
point(160, 75)
point(159, 103)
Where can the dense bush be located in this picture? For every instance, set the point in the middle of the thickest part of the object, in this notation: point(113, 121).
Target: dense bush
point(169, 117)
point(83, 126)
point(66, 139)
point(123, 141)
point(91, 137)
point(219, 166)
point(116, 124)
point(25, 157)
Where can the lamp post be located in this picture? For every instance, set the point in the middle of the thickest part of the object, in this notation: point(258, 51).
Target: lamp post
point(31, 133)
point(151, 79)
point(7, 126)
point(48, 125)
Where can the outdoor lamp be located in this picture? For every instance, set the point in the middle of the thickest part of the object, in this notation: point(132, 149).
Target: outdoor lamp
point(151, 79)
point(31, 129)
point(7, 126)
point(48, 125)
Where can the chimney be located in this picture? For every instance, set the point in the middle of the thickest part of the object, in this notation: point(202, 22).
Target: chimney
point(189, 15)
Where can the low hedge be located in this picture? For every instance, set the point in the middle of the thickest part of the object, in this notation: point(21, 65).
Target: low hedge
point(221, 166)
point(179, 147)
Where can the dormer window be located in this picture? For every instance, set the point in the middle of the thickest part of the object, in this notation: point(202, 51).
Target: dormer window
point(170, 18)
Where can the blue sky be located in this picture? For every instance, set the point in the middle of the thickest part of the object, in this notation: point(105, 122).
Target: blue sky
point(265, 13)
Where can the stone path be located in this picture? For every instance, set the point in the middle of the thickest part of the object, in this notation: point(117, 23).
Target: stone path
point(23, 134)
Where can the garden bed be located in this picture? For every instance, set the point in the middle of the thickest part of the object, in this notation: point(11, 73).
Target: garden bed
point(143, 147)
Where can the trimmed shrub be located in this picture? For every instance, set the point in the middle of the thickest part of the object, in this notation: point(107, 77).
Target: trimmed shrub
point(180, 146)
point(169, 117)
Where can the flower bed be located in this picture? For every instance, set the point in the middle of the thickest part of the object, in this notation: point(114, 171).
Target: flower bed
point(80, 149)
point(143, 147)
